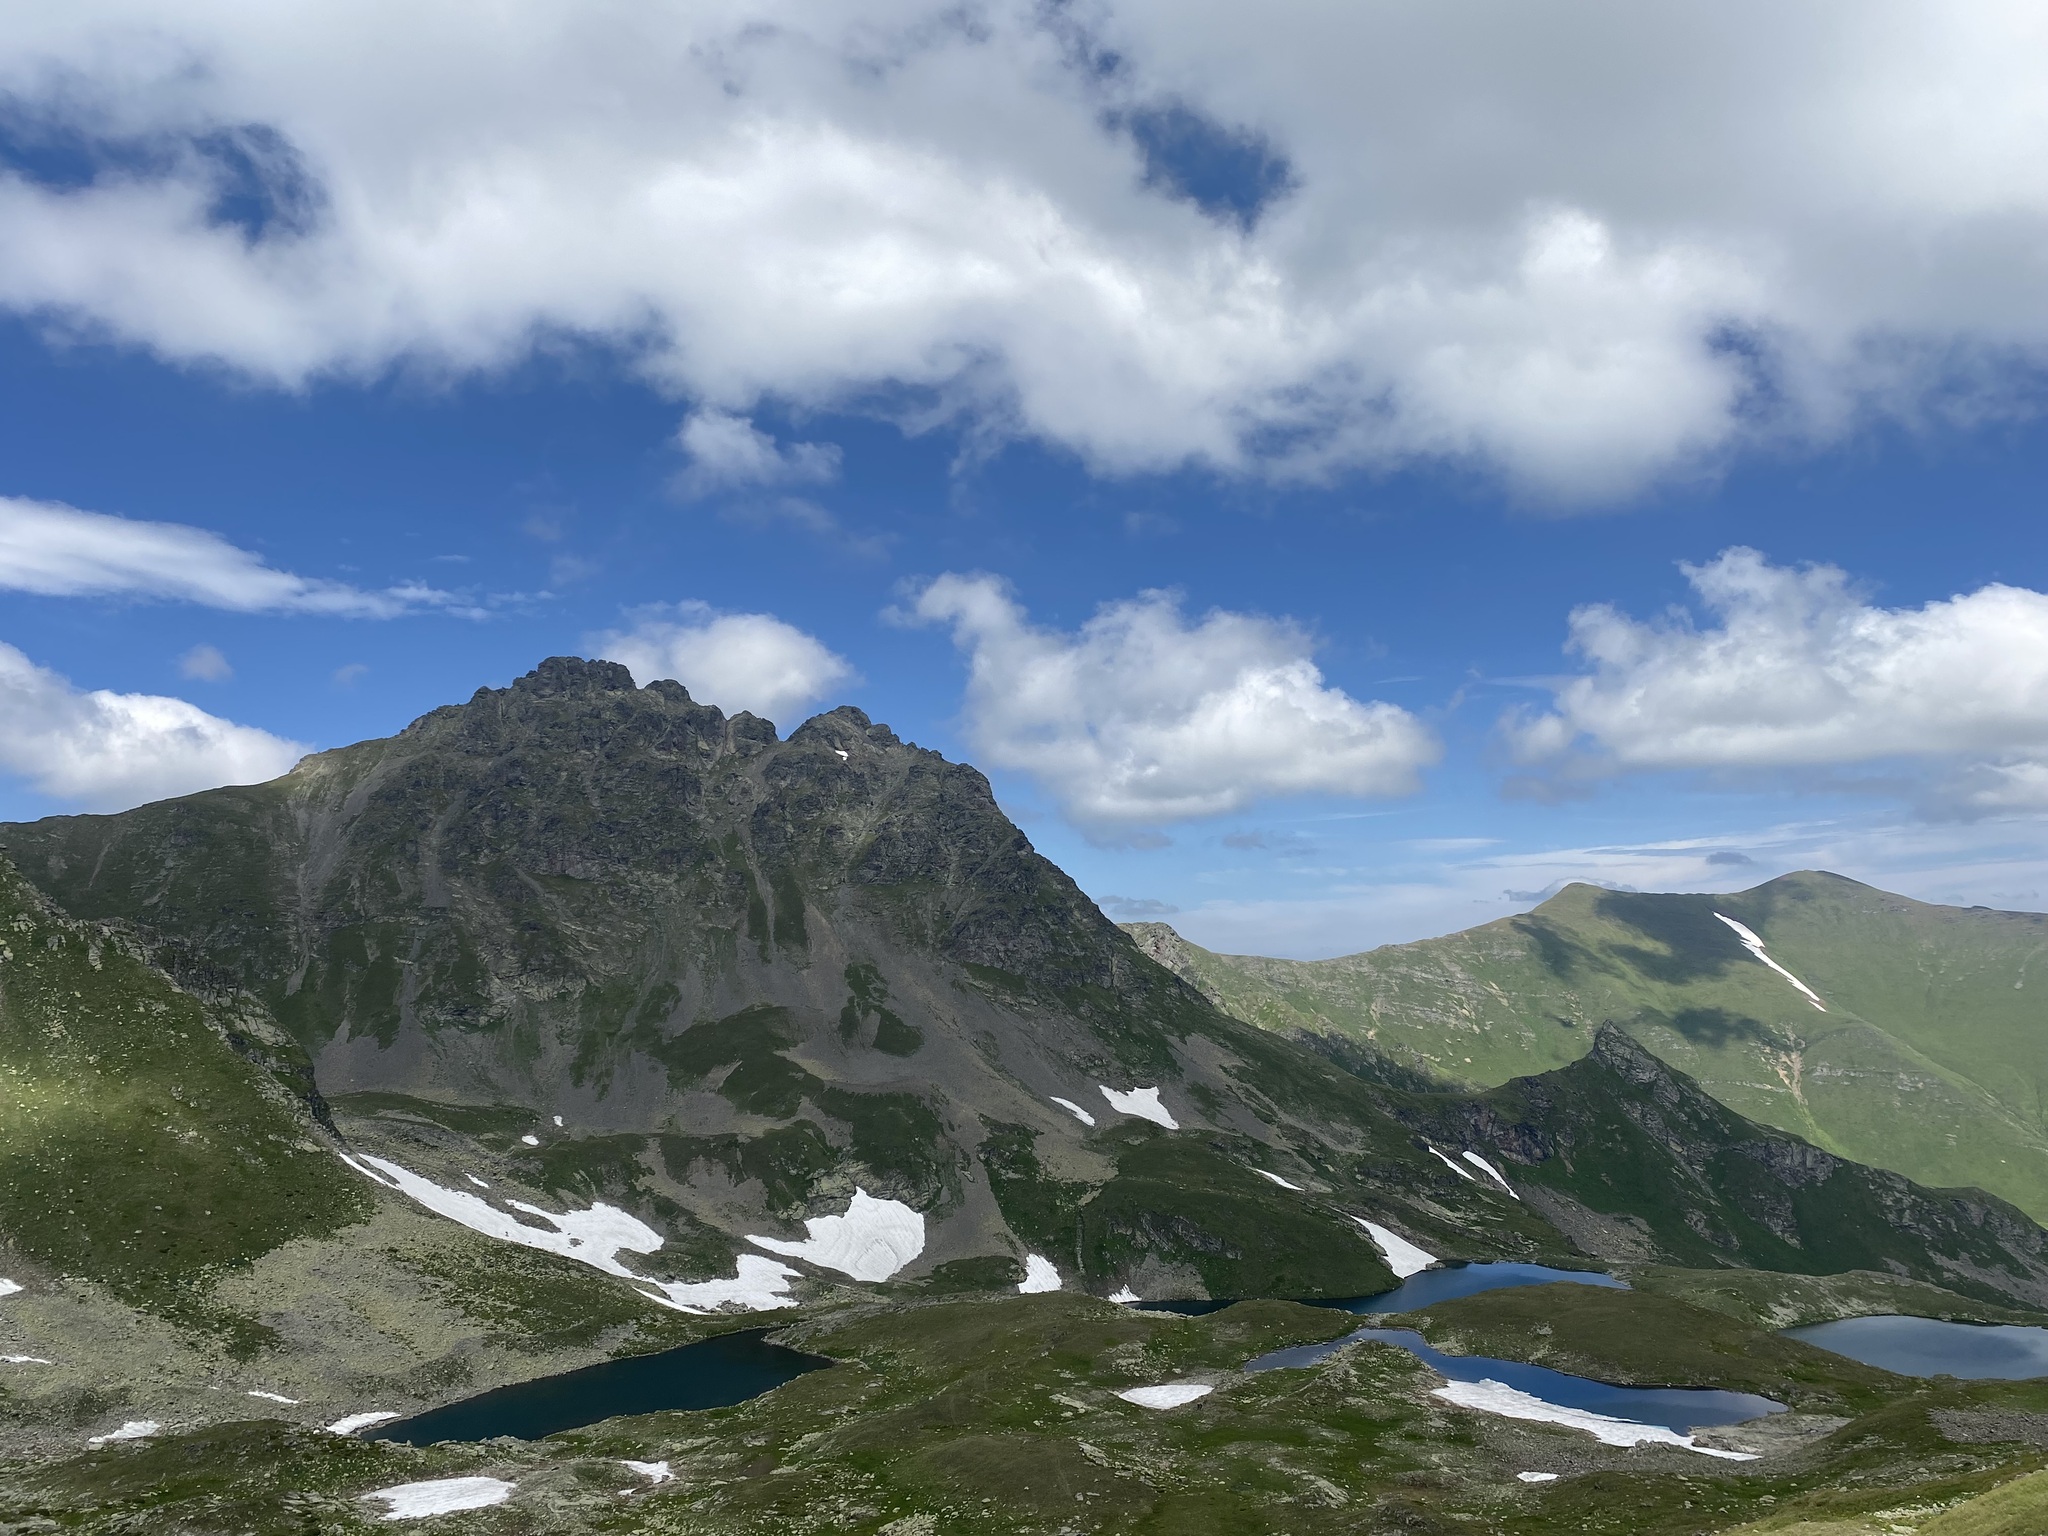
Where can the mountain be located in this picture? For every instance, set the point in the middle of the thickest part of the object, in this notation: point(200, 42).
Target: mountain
point(1927, 1052)
point(1639, 1165)
point(580, 943)
point(575, 1015)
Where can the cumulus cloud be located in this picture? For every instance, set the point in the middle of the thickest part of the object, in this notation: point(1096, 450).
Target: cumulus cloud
point(729, 453)
point(1142, 718)
point(59, 551)
point(738, 661)
point(1586, 244)
point(1797, 670)
point(108, 751)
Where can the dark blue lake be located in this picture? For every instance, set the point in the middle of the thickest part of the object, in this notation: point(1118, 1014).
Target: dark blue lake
point(713, 1373)
point(1926, 1346)
point(1678, 1408)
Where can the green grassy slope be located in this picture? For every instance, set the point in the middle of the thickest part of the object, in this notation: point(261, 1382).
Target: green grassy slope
point(138, 1148)
point(1929, 1059)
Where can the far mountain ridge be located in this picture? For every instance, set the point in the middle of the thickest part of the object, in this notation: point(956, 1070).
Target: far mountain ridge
point(1930, 1058)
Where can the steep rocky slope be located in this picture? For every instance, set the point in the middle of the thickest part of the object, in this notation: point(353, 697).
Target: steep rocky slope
point(600, 943)
point(1928, 1053)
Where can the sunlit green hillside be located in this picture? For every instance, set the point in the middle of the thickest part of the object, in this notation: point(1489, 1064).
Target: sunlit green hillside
point(1928, 1057)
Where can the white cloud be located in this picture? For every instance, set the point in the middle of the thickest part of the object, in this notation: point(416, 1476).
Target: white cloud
point(108, 751)
point(738, 661)
point(1142, 718)
point(730, 453)
point(1563, 240)
point(1799, 671)
point(58, 551)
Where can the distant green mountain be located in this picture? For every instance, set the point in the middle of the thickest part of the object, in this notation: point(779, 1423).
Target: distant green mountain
point(1928, 1054)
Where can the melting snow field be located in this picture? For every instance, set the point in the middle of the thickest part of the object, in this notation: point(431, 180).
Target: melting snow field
point(1479, 1162)
point(1142, 1103)
point(1123, 1296)
point(1283, 1183)
point(442, 1496)
point(873, 1240)
point(134, 1429)
point(10, 1287)
point(653, 1471)
point(1076, 1110)
point(757, 1285)
point(26, 1360)
point(877, 1237)
point(1039, 1275)
point(531, 1141)
point(594, 1237)
point(356, 1421)
point(1172, 1395)
point(1499, 1398)
point(1755, 946)
point(1463, 1173)
point(273, 1397)
point(1536, 1477)
point(1402, 1256)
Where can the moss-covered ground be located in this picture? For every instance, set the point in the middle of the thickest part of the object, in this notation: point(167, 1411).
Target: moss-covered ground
point(986, 1414)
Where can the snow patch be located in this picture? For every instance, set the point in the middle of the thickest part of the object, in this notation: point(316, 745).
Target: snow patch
point(1076, 1111)
point(841, 751)
point(1039, 1275)
point(356, 1421)
point(1461, 1172)
point(442, 1496)
point(1402, 1256)
point(757, 1285)
point(653, 1471)
point(873, 1240)
point(273, 1397)
point(26, 1360)
point(134, 1429)
point(10, 1287)
point(1283, 1183)
point(1479, 1162)
point(1123, 1296)
point(558, 1120)
point(1498, 1397)
point(531, 1141)
point(1171, 1395)
point(1755, 946)
point(1536, 1477)
point(1143, 1103)
point(479, 1183)
point(593, 1237)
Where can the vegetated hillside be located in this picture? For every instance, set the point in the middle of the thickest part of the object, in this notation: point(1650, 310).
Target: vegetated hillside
point(1930, 1057)
point(751, 976)
point(1640, 1165)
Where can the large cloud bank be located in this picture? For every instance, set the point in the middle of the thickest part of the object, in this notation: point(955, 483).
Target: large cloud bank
point(1587, 243)
point(1141, 718)
point(1797, 671)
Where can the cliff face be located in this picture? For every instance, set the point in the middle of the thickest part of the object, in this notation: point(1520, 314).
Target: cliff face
point(1636, 1160)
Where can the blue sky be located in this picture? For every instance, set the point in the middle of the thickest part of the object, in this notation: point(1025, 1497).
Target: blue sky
point(793, 471)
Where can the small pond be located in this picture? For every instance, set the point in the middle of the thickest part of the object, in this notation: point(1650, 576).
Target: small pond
point(1926, 1346)
point(1682, 1409)
point(1446, 1282)
point(713, 1373)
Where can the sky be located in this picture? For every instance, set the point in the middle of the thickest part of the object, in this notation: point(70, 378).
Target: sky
point(1343, 472)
